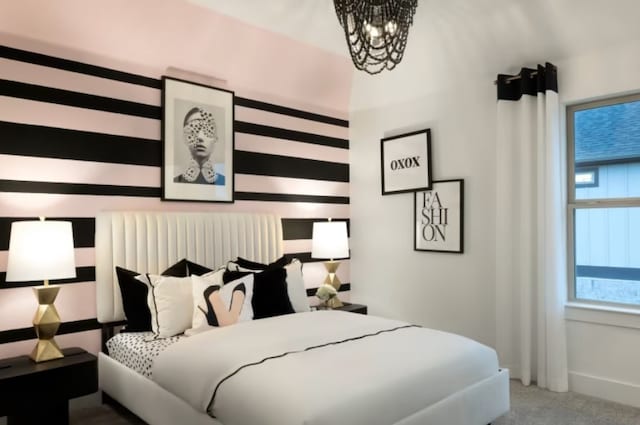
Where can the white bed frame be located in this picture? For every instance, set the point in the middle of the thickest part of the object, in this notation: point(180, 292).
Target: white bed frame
point(152, 241)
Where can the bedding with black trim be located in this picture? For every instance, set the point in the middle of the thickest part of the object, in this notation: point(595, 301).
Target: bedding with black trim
point(320, 368)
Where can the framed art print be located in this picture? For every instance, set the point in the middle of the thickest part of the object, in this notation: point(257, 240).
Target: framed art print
point(439, 216)
point(406, 162)
point(198, 142)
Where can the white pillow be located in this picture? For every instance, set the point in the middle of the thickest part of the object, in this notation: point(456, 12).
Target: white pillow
point(295, 287)
point(171, 304)
point(295, 283)
point(215, 304)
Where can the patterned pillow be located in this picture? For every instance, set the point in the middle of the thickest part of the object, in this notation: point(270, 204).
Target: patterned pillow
point(216, 304)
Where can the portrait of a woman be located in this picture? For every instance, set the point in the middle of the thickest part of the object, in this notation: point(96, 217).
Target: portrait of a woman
point(200, 136)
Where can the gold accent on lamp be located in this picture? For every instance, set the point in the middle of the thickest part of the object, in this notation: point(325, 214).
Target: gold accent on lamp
point(330, 241)
point(42, 250)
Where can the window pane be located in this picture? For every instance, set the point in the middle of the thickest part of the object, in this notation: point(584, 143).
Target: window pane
point(607, 254)
point(607, 141)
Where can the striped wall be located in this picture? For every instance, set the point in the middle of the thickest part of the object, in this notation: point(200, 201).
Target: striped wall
point(77, 138)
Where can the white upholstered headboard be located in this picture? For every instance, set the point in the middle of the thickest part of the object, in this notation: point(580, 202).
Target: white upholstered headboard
point(152, 241)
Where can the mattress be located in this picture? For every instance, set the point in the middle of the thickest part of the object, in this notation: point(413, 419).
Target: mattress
point(137, 350)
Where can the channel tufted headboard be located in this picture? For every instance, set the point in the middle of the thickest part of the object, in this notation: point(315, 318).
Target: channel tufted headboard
point(152, 241)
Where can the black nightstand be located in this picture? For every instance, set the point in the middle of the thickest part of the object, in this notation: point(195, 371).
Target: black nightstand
point(39, 393)
point(351, 308)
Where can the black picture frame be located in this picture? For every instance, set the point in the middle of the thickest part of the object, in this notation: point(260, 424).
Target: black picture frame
point(430, 232)
point(405, 162)
point(198, 142)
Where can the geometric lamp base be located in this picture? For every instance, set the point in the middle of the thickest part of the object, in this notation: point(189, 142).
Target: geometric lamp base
point(332, 279)
point(46, 323)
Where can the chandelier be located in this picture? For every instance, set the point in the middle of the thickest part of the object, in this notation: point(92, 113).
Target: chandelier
point(376, 31)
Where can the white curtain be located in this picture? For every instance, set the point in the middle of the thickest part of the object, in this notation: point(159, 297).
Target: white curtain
point(531, 261)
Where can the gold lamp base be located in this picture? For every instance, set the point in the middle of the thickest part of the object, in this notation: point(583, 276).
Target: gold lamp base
point(332, 279)
point(46, 323)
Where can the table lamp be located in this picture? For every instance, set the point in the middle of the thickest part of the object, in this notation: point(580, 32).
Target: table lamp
point(42, 250)
point(330, 241)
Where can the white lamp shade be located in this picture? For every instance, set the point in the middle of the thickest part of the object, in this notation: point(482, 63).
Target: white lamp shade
point(40, 250)
point(330, 240)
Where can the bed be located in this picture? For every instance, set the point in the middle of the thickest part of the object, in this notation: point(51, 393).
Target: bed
point(315, 368)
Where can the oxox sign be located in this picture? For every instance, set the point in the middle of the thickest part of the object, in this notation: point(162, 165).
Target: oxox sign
point(438, 217)
point(406, 162)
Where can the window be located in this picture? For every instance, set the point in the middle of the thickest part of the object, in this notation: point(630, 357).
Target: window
point(604, 201)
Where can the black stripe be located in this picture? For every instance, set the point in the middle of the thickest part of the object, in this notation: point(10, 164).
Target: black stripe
point(343, 288)
point(313, 347)
point(270, 107)
point(615, 273)
point(281, 133)
point(285, 197)
point(83, 230)
point(24, 334)
point(287, 166)
point(302, 228)
point(78, 189)
point(80, 67)
point(528, 81)
point(83, 274)
point(80, 100)
point(51, 142)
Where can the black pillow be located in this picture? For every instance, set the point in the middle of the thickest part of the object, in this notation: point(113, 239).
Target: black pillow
point(270, 296)
point(134, 296)
point(252, 265)
point(197, 269)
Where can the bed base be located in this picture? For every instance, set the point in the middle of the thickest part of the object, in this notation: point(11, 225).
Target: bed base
point(478, 404)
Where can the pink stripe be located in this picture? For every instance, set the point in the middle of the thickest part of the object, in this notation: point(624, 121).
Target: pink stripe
point(89, 340)
point(296, 245)
point(267, 184)
point(75, 302)
point(51, 77)
point(71, 171)
point(268, 145)
point(53, 115)
point(84, 257)
point(25, 204)
point(258, 116)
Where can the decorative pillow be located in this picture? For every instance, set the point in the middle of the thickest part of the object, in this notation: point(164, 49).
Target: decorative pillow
point(295, 283)
point(134, 288)
point(252, 265)
point(216, 304)
point(197, 269)
point(171, 305)
point(270, 296)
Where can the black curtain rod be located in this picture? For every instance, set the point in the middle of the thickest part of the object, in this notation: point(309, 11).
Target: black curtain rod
point(515, 77)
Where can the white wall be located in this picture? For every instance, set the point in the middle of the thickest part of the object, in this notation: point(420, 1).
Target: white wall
point(454, 292)
point(457, 292)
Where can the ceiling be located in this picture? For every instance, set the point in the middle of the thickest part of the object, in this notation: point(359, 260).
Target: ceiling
point(450, 38)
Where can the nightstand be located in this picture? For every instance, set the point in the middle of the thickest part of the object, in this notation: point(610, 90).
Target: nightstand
point(39, 393)
point(352, 308)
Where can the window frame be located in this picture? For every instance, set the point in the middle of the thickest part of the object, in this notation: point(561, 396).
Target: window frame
point(574, 204)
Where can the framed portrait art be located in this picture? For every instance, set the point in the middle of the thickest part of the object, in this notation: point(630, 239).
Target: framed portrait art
point(198, 142)
point(406, 162)
point(439, 216)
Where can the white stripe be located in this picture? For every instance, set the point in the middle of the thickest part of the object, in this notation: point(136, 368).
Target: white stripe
point(15, 167)
point(25, 72)
point(270, 184)
point(70, 117)
point(272, 119)
point(270, 145)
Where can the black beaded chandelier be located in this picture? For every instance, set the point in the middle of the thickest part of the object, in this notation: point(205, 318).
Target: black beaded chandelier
point(376, 31)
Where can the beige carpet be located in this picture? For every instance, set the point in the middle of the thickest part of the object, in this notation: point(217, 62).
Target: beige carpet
point(529, 406)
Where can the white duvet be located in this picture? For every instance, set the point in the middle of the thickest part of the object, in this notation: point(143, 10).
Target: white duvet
point(262, 375)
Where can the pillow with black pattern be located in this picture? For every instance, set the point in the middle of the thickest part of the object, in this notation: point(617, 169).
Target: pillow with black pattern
point(270, 297)
point(217, 304)
point(134, 289)
point(296, 291)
